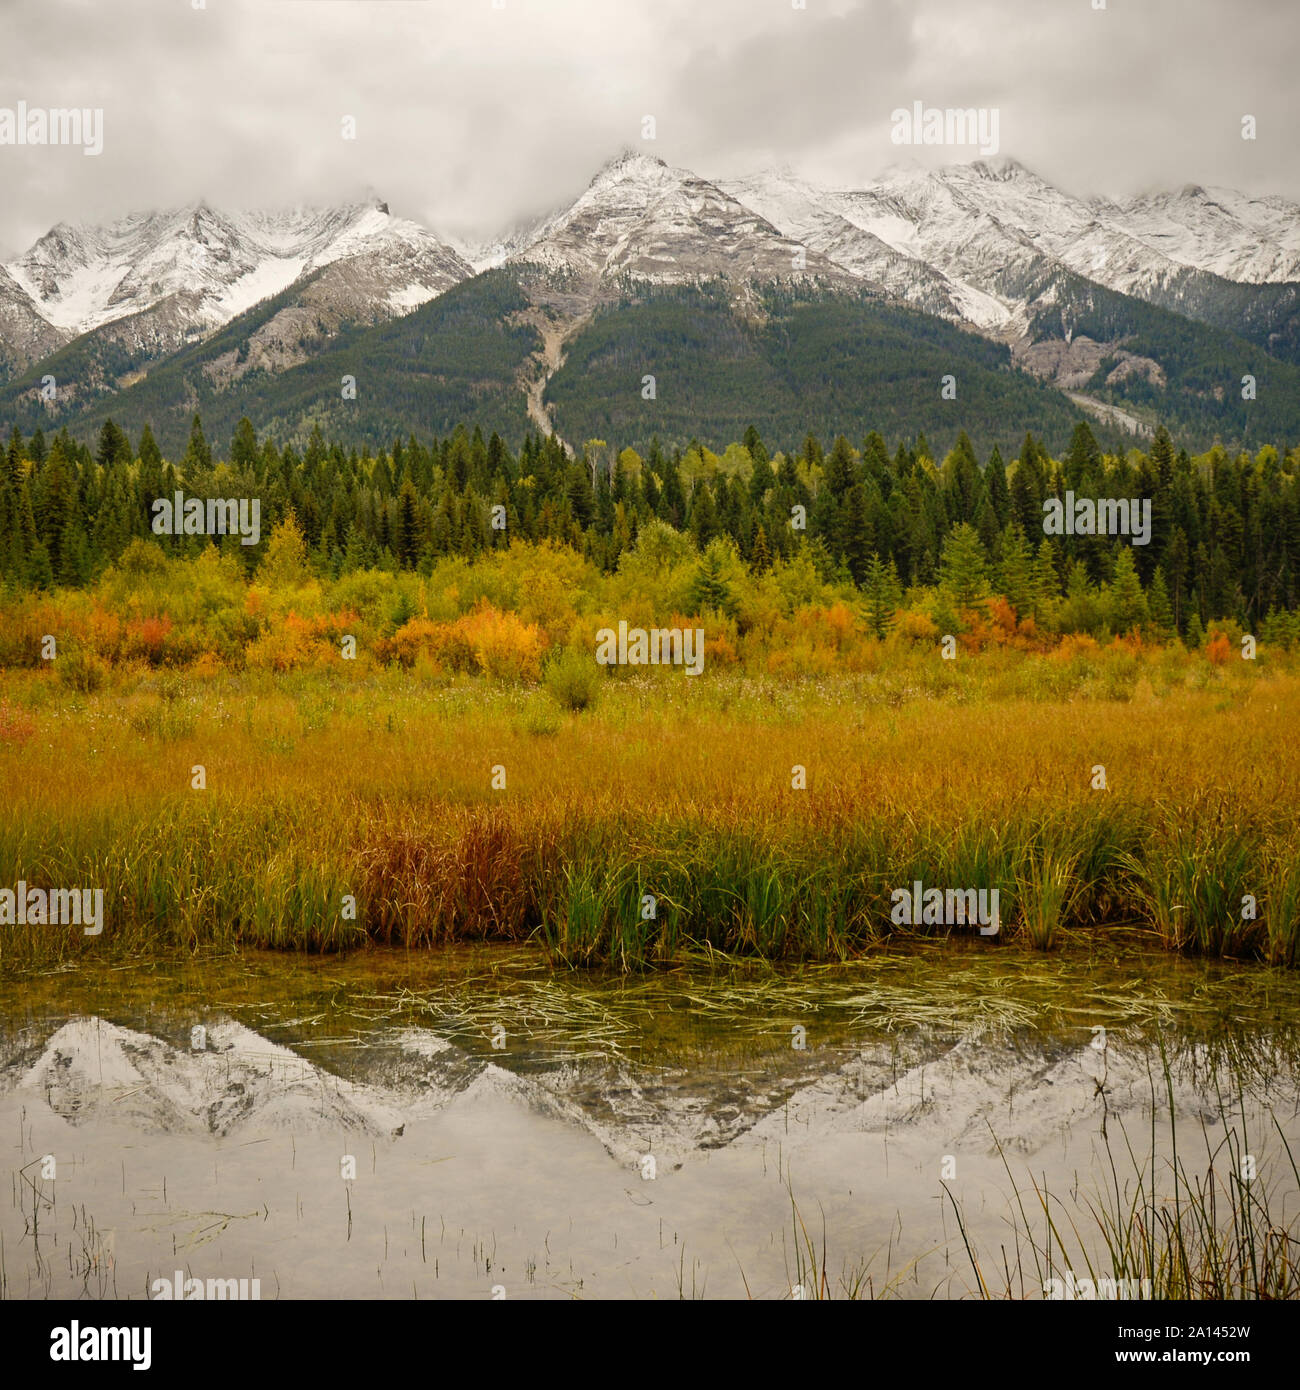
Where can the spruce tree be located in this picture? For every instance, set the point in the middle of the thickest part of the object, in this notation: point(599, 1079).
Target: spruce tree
point(1158, 605)
point(963, 567)
point(1016, 571)
point(841, 473)
point(857, 542)
point(1128, 608)
point(762, 558)
point(709, 591)
point(882, 592)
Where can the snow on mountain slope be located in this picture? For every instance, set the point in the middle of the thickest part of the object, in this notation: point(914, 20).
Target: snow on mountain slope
point(1251, 240)
point(989, 241)
point(219, 264)
point(645, 219)
point(924, 239)
point(25, 334)
point(822, 222)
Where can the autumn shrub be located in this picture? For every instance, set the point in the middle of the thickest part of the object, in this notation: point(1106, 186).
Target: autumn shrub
point(415, 638)
point(80, 669)
point(22, 635)
point(287, 645)
point(1075, 645)
point(915, 628)
point(1218, 648)
point(146, 638)
point(573, 679)
point(504, 647)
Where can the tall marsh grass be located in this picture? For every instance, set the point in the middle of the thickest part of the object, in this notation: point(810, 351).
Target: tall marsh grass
point(339, 812)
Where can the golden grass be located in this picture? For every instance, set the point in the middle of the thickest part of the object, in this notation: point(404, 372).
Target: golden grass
point(319, 788)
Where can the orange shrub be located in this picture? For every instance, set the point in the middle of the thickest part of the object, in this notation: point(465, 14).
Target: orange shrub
point(286, 645)
point(105, 633)
point(416, 638)
point(147, 637)
point(1218, 649)
point(1075, 644)
point(1002, 617)
point(497, 644)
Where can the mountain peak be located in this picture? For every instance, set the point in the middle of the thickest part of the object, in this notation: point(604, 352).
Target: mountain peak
point(1002, 168)
point(628, 161)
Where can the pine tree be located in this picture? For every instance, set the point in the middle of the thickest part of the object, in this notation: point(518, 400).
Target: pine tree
point(1046, 580)
point(1161, 610)
point(709, 591)
point(882, 592)
point(704, 516)
point(963, 568)
point(761, 480)
point(995, 484)
point(14, 460)
point(857, 542)
point(762, 560)
point(197, 463)
point(1128, 606)
point(841, 473)
point(963, 482)
point(114, 447)
point(1016, 571)
point(55, 503)
point(40, 573)
point(243, 447)
point(407, 541)
point(1084, 457)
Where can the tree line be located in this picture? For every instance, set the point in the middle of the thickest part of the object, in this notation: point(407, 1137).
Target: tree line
point(1225, 537)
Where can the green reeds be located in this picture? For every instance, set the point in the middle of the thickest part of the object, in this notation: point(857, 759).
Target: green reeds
point(1171, 1230)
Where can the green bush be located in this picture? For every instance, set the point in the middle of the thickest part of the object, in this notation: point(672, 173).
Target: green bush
point(573, 678)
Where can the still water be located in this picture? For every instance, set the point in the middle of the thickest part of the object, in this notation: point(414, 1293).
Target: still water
point(468, 1123)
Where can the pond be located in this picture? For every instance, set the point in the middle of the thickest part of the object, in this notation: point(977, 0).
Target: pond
point(470, 1123)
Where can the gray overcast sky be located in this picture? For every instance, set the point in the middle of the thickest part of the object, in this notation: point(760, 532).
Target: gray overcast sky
point(470, 118)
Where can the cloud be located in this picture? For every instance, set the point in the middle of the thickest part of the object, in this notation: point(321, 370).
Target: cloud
point(470, 118)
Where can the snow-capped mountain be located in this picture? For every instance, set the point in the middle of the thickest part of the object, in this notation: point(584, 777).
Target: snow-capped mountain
point(1068, 283)
point(643, 219)
point(1251, 240)
point(25, 334)
point(190, 271)
point(876, 240)
point(991, 242)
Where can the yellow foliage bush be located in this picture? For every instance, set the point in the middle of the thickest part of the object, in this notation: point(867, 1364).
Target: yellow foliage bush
point(504, 647)
point(916, 627)
point(1075, 644)
point(486, 640)
point(288, 645)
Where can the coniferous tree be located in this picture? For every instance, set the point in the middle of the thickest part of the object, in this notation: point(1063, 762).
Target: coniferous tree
point(857, 541)
point(883, 593)
point(1159, 606)
point(1127, 605)
point(962, 567)
point(1016, 571)
point(709, 588)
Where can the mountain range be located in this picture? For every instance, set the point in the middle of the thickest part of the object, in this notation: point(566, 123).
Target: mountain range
point(660, 302)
